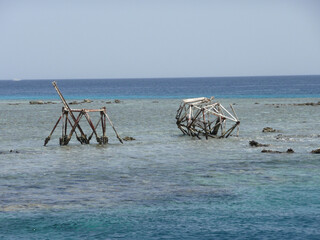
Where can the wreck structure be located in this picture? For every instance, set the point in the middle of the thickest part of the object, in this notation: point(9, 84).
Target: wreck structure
point(205, 117)
point(68, 118)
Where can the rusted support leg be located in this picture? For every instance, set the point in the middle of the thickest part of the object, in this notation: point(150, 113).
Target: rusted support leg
point(216, 127)
point(193, 133)
point(89, 138)
point(83, 138)
point(103, 139)
point(195, 118)
point(75, 131)
point(92, 127)
point(48, 138)
point(182, 130)
point(119, 138)
point(222, 125)
point(63, 121)
point(63, 140)
point(66, 124)
point(205, 124)
point(231, 129)
point(104, 127)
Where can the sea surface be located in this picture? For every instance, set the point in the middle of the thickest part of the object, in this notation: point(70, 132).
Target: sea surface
point(163, 185)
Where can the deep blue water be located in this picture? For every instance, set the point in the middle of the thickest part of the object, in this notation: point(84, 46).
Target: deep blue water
point(221, 87)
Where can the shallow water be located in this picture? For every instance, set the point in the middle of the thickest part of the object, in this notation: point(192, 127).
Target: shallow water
point(163, 184)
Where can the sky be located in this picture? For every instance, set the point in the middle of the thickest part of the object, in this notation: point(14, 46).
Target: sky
point(60, 39)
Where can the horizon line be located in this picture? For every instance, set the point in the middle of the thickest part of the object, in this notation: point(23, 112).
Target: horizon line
point(135, 78)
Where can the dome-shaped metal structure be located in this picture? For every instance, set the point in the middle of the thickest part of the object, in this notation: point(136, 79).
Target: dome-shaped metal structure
point(204, 116)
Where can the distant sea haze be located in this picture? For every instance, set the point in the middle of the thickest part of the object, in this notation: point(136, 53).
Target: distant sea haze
point(169, 88)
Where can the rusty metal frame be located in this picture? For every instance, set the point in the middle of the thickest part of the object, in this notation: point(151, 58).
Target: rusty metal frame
point(204, 116)
point(74, 123)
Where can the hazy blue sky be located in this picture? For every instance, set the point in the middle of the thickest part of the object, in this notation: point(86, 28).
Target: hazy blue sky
point(164, 38)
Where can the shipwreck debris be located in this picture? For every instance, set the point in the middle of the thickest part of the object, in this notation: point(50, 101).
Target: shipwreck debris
point(204, 116)
point(68, 118)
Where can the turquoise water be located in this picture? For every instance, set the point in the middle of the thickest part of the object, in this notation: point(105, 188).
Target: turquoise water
point(163, 185)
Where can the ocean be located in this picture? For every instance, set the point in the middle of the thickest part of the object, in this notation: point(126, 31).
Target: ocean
point(162, 185)
point(168, 88)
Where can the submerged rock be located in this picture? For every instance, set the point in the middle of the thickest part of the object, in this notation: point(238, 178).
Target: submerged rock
point(128, 138)
point(41, 102)
point(294, 104)
point(307, 104)
point(108, 102)
point(269, 151)
point(117, 101)
point(87, 101)
point(316, 151)
point(269, 129)
point(74, 103)
point(36, 102)
point(10, 151)
point(13, 151)
point(290, 150)
point(253, 143)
